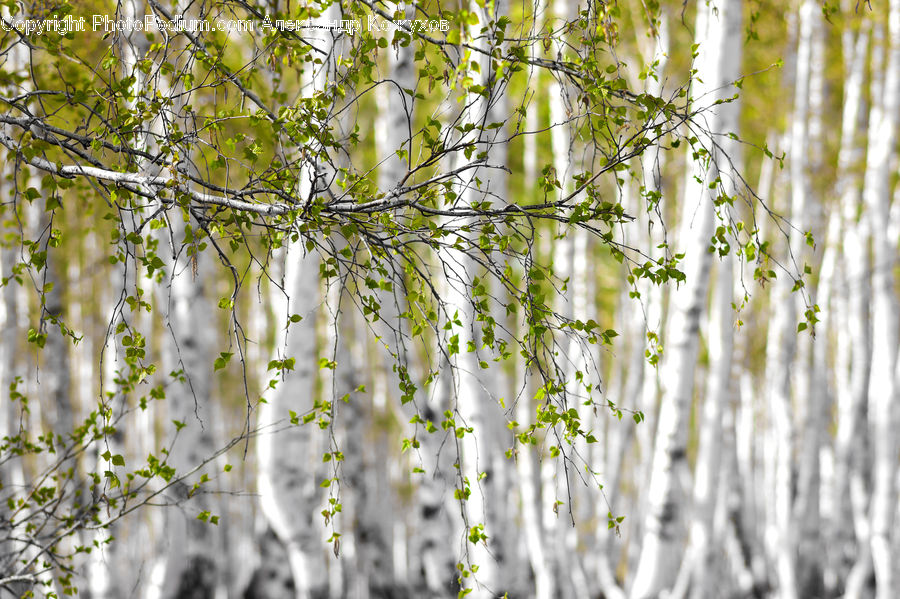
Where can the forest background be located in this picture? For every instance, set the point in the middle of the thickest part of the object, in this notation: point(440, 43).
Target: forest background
point(546, 299)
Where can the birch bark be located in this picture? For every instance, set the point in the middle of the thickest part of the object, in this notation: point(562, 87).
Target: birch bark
point(192, 556)
point(287, 482)
point(702, 549)
point(528, 468)
point(882, 381)
point(108, 561)
point(782, 336)
point(811, 390)
point(557, 481)
point(661, 544)
point(288, 479)
point(643, 321)
point(502, 509)
point(12, 473)
point(851, 316)
point(393, 130)
point(49, 384)
point(475, 409)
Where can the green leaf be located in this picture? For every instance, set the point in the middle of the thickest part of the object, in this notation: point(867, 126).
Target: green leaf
point(222, 361)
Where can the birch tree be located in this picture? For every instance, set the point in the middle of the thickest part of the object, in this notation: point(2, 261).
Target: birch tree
point(700, 555)
point(850, 313)
point(658, 565)
point(393, 135)
point(287, 475)
point(474, 406)
point(882, 392)
point(557, 509)
point(810, 392)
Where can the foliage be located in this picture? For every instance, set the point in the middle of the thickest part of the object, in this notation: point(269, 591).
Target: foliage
point(209, 138)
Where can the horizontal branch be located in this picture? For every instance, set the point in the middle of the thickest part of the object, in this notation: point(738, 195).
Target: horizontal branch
point(10, 580)
point(151, 185)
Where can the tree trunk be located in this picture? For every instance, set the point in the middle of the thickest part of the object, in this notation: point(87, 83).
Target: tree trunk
point(663, 537)
point(475, 407)
point(811, 391)
point(290, 470)
point(882, 382)
point(850, 308)
point(288, 481)
point(393, 130)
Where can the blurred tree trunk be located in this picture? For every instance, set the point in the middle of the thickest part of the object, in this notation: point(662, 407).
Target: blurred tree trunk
point(664, 534)
point(811, 391)
point(288, 481)
point(192, 558)
point(702, 551)
point(882, 393)
point(193, 548)
point(527, 465)
point(851, 325)
point(502, 511)
point(50, 408)
point(12, 473)
point(559, 479)
point(129, 552)
point(394, 123)
point(641, 320)
point(475, 407)
point(782, 341)
point(290, 450)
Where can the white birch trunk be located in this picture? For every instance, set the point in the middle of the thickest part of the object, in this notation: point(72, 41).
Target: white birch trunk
point(859, 445)
point(439, 516)
point(882, 382)
point(192, 549)
point(646, 318)
point(289, 474)
point(431, 542)
point(287, 481)
point(359, 557)
point(700, 558)
point(107, 560)
point(12, 474)
point(529, 496)
point(393, 129)
point(556, 481)
point(502, 510)
point(191, 554)
point(780, 346)
point(852, 328)
point(49, 383)
point(782, 337)
point(663, 537)
point(474, 406)
point(811, 390)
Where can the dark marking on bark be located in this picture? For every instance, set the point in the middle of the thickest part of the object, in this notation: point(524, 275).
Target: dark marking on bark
point(198, 579)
